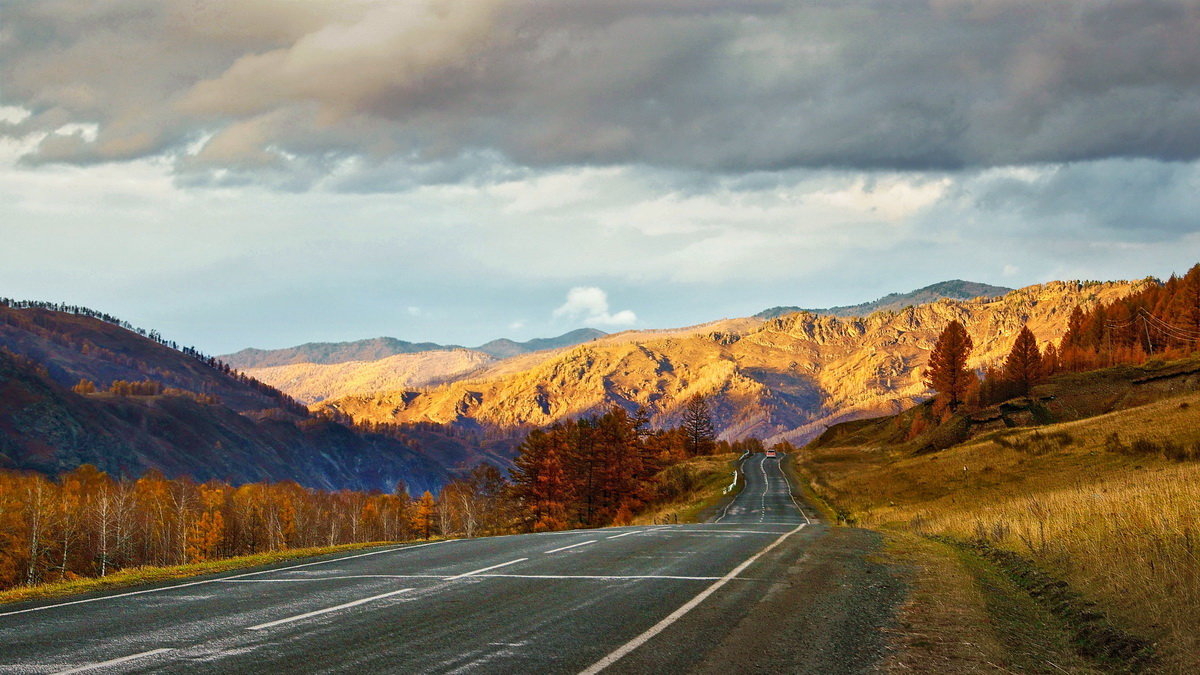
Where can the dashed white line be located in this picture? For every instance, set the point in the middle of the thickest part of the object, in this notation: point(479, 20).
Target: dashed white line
point(327, 610)
point(485, 569)
point(563, 548)
point(480, 574)
point(113, 662)
point(657, 628)
point(212, 581)
point(623, 534)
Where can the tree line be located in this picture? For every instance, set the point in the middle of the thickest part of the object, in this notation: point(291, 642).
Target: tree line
point(1162, 320)
point(589, 472)
point(86, 523)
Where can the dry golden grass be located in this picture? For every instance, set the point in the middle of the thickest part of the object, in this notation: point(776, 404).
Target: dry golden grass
point(1123, 529)
point(963, 616)
point(712, 473)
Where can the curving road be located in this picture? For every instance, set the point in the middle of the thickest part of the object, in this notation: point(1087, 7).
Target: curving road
point(676, 598)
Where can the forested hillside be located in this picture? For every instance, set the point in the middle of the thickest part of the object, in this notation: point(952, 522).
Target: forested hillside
point(79, 387)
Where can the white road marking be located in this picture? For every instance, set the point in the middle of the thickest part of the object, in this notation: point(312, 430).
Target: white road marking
point(484, 569)
point(762, 504)
point(113, 662)
point(623, 534)
point(300, 580)
point(793, 496)
point(659, 627)
point(327, 610)
point(213, 581)
point(563, 548)
point(614, 577)
point(478, 574)
point(725, 512)
point(719, 532)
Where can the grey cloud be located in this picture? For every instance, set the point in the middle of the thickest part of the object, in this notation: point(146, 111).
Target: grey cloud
point(1120, 199)
point(701, 86)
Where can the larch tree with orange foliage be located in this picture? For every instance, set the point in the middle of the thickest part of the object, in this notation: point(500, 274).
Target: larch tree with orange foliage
point(947, 373)
point(424, 514)
point(1023, 367)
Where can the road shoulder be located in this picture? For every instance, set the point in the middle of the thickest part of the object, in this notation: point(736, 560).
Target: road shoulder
point(964, 615)
point(828, 613)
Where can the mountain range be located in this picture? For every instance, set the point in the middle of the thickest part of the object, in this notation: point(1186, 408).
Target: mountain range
point(783, 378)
point(955, 289)
point(418, 415)
point(373, 349)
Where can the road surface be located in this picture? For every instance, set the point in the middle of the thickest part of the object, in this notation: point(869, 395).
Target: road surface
point(763, 587)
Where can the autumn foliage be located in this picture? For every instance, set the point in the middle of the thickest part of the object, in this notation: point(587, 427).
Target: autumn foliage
point(948, 373)
point(1163, 320)
point(88, 524)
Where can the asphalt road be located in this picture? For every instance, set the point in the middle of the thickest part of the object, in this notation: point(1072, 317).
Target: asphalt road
point(625, 599)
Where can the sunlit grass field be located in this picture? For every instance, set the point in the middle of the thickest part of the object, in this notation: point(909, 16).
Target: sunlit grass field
point(1110, 504)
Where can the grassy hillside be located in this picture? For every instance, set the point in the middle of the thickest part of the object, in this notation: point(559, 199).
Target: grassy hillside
point(315, 382)
point(1095, 480)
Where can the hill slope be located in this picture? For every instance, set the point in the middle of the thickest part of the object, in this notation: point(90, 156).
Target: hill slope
point(1094, 480)
point(312, 382)
point(784, 378)
point(74, 347)
point(209, 423)
point(46, 427)
point(956, 289)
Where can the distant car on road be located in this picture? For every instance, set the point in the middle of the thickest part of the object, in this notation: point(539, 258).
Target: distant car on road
point(771, 453)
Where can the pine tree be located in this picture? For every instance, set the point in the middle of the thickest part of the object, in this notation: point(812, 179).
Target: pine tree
point(947, 373)
point(1023, 367)
point(698, 427)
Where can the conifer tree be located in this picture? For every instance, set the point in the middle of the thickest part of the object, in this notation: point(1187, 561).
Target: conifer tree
point(423, 518)
point(1023, 367)
point(947, 373)
point(698, 426)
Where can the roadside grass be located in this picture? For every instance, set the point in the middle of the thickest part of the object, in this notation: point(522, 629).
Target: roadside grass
point(136, 576)
point(802, 481)
point(707, 478)
point(962, 615)
point(1109, 504)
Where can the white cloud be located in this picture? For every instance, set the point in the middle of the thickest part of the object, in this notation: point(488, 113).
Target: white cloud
point(12, 114)
point(590, 304)
point(414, 311)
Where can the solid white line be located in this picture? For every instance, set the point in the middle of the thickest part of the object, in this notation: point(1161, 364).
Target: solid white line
point(563, 548)
point(659, 627)
point(212, 581)
point(485, 569)
point(113, 662)
point(327, 610)
point(793, 496)
point(725, 511)
point(623, 534)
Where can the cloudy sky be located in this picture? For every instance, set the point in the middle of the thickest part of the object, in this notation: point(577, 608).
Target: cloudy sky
point(264, 173)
